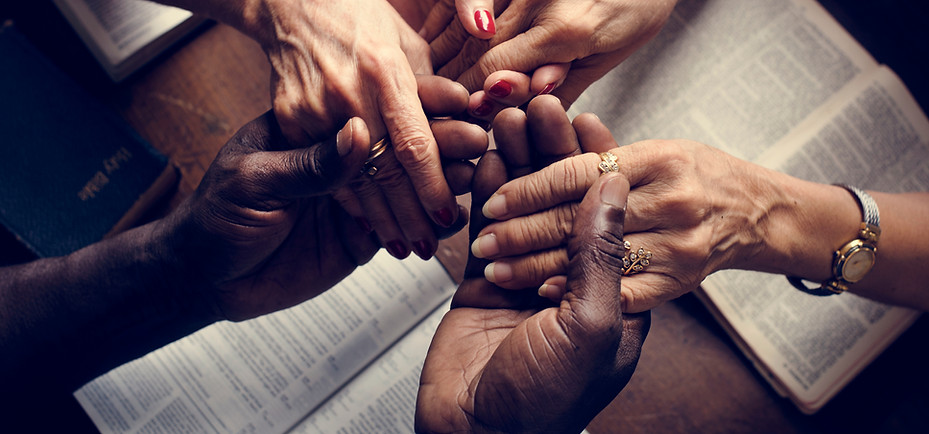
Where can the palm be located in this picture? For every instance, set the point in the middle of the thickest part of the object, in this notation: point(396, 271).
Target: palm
point(505, 360)
point(483, 361)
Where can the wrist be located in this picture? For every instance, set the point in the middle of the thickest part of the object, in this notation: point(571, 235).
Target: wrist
point(180, 263)
point(813, 221)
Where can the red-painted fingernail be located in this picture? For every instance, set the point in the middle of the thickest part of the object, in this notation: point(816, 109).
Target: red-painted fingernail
point(423, 249)
point(547, 89)
point(444, 217)
point(500, 89)
point(364, 225)
point(397, 249)
point(485, 21)
point(483, 109)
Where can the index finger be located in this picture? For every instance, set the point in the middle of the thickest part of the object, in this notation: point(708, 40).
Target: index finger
point(416, 149)
point(563, 181)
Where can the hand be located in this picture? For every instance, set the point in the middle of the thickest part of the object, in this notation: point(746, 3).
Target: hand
point(696, 208)
point(525, 367)
point(262, 232)
point(592, 36)
point(334, 60)
point(437, 23)
point(385, 201)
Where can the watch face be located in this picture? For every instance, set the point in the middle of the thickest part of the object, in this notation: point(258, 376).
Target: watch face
point(858, 262)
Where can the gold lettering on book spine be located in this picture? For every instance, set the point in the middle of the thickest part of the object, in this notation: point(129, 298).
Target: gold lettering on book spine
point(100, 179)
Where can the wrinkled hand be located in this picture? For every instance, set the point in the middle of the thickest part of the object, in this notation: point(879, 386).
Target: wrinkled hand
point(448, 24)
point(262, 232)
point(385, 202)
point(592, 36)
point(524, 367)
point(334, 60)
point(695, 207)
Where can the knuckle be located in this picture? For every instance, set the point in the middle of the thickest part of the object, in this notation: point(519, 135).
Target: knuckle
point(565, 219)
point(377, 58)
point(539, 267)
point(573, 177)
point(531, 235)
point(413, 149)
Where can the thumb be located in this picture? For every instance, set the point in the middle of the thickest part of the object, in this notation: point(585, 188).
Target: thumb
point(314, 170)
point(595, 252)
point(477, 17)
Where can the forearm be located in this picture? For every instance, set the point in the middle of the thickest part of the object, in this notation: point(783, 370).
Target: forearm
point(900, 275)
point(63, 321)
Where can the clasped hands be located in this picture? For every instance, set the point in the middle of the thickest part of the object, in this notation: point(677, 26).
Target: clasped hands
point(264, 232)
point(333, 60)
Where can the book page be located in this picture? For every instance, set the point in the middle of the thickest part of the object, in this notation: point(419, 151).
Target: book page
point(734, 74)
point(116, 30)
point(382, 398)
point(266, 374)
point(877, 138)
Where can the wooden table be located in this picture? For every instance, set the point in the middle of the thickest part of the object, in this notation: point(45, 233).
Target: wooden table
point(691, 377)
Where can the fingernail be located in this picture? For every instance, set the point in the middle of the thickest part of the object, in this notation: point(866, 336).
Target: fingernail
point(495, 207)
point(500, 89)
point(444, 217)
point(343, 140)
point(550, 291)
point(483, 109)
point(547, 89)
point(397, 249)
point(498, 272)
point(612, 192)
point(485, 246)
point(485, 21)
point(423, 249)
point(364, 224)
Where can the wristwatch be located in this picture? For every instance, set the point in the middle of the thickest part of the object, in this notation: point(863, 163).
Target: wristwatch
point(854, 259)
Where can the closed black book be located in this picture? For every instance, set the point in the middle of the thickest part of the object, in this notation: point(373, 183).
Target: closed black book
point(71, 170)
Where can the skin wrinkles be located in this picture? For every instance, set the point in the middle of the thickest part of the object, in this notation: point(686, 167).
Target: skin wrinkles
point(539, 234)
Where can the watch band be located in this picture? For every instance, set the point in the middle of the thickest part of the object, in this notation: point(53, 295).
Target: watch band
point(868, 206)
point(868, 232)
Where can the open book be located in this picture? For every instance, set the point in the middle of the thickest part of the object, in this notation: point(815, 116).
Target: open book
point(346, 360)
point(125, 34)
point(782, 84)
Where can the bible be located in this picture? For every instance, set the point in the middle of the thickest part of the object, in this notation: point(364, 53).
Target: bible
point(783, 84)
point(124, 35)
point(71, 171)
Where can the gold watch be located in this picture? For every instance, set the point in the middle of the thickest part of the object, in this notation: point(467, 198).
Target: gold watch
point(854, 259)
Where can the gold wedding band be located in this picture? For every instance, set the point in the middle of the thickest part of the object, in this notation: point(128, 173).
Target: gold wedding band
point(608, 163)
point(637, 261)
point(379, 148)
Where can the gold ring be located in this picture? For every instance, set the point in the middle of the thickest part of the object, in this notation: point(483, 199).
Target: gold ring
point(637, 261)
point(379, 148)
point(608, 163)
